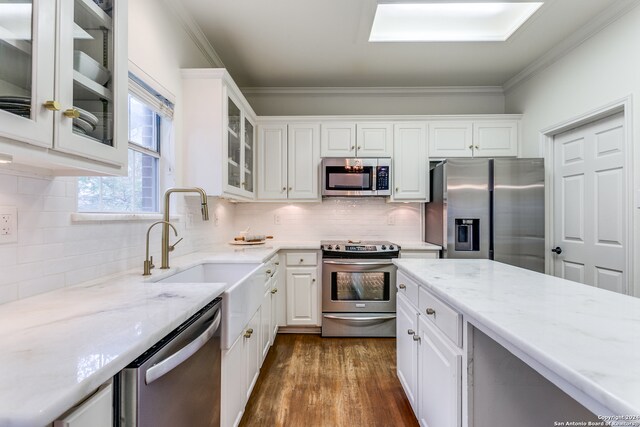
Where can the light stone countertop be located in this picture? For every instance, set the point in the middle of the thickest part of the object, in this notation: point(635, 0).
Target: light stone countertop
point(58, 347)
point(585, 337)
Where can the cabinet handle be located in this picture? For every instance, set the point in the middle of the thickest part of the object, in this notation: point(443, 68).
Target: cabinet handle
point(430, 311)
point(72, 113)
point(273, 291)
point(411, 332)
point(52, 105)
point(402, 286)
point(268, 271)
point(416, 338)
point(248, 333)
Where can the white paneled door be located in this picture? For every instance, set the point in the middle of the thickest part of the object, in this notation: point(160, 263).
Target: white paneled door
point(590, 204)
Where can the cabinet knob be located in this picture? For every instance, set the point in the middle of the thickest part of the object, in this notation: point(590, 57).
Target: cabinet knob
point(248, 333)
point(359, 147)
point(277, 263)
point(402, 286)
point(411, 332)
point(430, 311)
point(268, 271)
point(301, 260)
point(477, 147)
point(471, 147)
point(353, 147)
point(52, 105)
point(72, 113)
point(416, 338)
point(397, 189)
point(313, 280)
point(290, 188)
point(274, 290)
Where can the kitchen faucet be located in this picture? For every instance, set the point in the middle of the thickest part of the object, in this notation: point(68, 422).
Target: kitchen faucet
point(148, 261)
point(166, 248)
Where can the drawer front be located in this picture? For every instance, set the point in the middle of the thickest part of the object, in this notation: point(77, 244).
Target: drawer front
point(302, 258)
point(407, 287)
point(444, 317)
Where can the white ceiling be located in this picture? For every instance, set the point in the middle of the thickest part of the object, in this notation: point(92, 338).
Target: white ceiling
point(323, 43)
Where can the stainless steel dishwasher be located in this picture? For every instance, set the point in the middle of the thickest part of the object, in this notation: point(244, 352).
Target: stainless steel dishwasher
point(177, 381)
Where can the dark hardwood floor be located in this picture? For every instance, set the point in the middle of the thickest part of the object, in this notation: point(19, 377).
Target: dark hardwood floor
point(310, 381)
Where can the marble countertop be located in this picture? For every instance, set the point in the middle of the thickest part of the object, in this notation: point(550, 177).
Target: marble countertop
point(586, 337)
point(61, 345)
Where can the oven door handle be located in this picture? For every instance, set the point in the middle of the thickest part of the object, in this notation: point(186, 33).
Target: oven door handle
point(385, 262)
point(176, 359)
point(359, 319)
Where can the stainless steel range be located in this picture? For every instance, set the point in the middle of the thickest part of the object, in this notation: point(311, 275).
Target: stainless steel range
point(358, 288)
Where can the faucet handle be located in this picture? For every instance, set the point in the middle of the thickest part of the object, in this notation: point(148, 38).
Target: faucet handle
point(172, 247)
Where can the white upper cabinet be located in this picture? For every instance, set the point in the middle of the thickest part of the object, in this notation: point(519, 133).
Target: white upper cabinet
point(495, 138)
point(450, 139)
point(410, 162)
point(350, 139)
point(288, 161)
point(63, 85)
point(477, 138)
point(219, 131)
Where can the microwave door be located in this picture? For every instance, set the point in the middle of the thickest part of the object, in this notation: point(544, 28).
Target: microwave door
point(341, 181)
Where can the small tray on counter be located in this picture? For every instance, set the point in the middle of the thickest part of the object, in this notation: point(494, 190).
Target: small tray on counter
point(243, 243)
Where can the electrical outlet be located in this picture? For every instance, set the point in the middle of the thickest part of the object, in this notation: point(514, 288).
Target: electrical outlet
point(391, 219)
point(8, 224)
point(276, 219)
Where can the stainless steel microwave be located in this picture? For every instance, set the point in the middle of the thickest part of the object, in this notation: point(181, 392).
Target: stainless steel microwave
point(349, 177)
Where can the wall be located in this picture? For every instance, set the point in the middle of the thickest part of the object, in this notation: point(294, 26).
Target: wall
point(356, 102)
point(604, 69)
point(52, 252)
point(335, 218)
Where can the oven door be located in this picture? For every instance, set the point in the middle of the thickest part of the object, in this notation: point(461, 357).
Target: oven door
point(358, 286)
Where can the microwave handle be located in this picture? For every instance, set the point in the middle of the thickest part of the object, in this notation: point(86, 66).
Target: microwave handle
point(374, 183)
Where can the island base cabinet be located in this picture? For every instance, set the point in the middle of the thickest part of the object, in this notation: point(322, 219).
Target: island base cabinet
point(240, 368)
point(407, 349)
point(440, 379)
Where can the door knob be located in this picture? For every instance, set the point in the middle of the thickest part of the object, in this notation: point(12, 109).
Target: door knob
point(557, 250)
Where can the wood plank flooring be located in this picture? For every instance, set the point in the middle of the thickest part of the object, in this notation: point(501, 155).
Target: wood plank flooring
point(311, 381)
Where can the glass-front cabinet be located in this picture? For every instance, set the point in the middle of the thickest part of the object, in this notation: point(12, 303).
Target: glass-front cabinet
point(240, 150)
point(63, 78)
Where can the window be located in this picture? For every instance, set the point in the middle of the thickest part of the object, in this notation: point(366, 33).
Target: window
point(149, 114)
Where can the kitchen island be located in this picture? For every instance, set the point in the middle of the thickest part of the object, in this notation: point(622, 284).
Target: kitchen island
point(583, 340)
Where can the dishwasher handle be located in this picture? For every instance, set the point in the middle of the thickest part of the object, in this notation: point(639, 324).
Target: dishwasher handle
point(176, 359)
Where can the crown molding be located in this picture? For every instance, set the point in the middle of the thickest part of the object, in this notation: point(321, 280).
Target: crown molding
point(386, 91)
point(562, 49)
point(195, 33)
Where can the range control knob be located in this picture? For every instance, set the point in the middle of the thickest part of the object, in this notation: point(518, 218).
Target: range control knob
point(337, 247)
point(329, 247)
point(391, 247)
point(384, 247)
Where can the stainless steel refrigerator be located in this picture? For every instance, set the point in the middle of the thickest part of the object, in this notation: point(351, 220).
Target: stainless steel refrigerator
point(488, 208)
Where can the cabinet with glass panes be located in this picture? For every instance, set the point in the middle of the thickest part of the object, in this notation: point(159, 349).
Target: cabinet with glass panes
point(63, 84)
point(220, 133)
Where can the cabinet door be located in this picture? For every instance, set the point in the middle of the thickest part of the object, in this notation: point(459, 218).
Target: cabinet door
point(281, 298)
point(450, 139)
point(26, 71)
point(272, 162)
point(410, 162)
point(302, 296)
point(374, 140)
point(234, 383)
point(275, 307)
point(93, 120)
point(338, 139)
point(234, 147)
point(97, 411)
point(248, 158)
point(440, 381)
point(303, 160)
point(265, 323)
point(407, 349)
point(252, 353)
point(494, 139)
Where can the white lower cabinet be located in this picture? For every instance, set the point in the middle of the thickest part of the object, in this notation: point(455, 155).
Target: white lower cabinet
point(265, 321)
point(276, 305)
point(303, 290)
point(240, 369)
point(407, 349)
point(95, 411)
point(440, 379)
point(429, 363)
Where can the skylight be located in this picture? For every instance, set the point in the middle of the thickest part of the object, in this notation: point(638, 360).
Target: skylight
point(438, 21)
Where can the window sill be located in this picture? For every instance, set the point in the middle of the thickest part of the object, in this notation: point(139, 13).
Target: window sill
point(79, 217)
